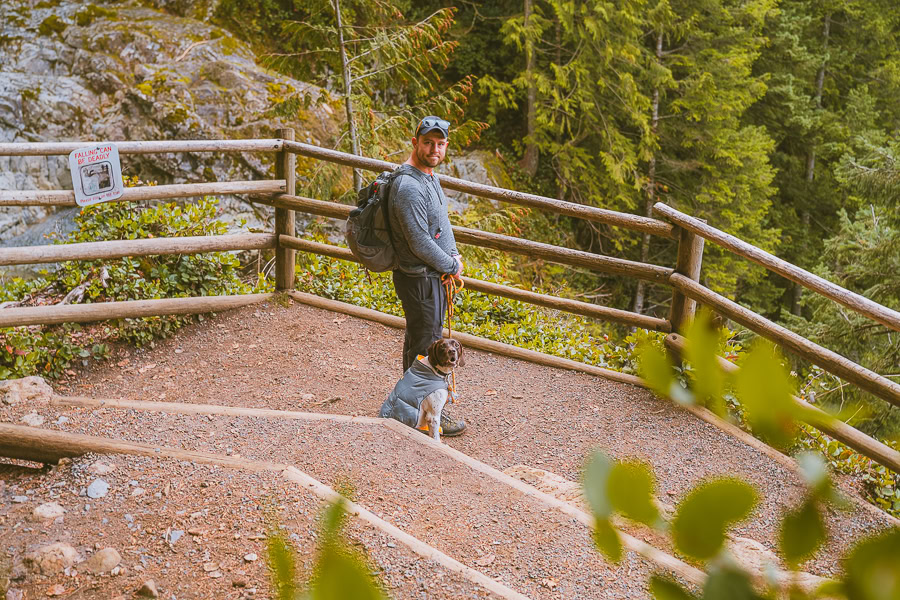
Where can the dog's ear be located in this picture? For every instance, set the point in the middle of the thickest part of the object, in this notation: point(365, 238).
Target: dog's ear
point(459, 347)
point(434, 352)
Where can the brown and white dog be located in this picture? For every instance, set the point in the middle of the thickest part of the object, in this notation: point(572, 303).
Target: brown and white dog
point(444, 355)
point(420, 395)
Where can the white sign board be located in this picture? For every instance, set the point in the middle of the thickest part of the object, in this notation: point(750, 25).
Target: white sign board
point(96, 174)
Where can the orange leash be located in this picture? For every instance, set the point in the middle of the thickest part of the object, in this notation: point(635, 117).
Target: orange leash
point(452, 286)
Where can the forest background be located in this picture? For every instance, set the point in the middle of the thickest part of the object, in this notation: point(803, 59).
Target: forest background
point(775, 121)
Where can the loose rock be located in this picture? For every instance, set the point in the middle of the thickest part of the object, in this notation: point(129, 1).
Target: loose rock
point(250, 557)
point(102, 468)
point(35, 389)
point(148, 590)
point(51, 559)
point(33, 419)
point(102, 561)
point(50, 510)
point(97, 489)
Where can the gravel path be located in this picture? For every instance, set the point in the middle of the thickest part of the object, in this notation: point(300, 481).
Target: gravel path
point(301, 358)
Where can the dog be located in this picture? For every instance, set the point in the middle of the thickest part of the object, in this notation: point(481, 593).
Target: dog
point(419, 397)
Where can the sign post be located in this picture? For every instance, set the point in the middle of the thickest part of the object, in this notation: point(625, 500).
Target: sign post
point(96, 174)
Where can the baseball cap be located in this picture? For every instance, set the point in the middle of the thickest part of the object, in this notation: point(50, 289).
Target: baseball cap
point(430, 123)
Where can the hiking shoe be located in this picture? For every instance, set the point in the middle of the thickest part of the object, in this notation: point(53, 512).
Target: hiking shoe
point(451, 427)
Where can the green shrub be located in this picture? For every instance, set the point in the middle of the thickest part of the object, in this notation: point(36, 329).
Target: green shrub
point(705, 514)
point(50, 350)
point(52, 24)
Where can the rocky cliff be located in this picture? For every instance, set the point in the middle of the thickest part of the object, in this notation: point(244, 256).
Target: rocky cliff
point(70, 70)
point(154, 70)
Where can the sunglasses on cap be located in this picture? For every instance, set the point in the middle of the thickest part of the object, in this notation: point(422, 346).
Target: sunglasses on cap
point(429, 123)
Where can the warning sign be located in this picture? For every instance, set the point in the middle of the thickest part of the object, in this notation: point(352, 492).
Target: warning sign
point(96, 174)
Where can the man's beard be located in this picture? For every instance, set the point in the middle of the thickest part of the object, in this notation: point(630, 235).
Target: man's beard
point(426, 159)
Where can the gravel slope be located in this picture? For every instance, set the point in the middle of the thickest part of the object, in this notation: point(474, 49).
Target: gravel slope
point(301, 358)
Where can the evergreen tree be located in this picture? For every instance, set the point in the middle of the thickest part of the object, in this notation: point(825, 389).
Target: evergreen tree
point(832, 70)
point(638, 103)
point(862, 256)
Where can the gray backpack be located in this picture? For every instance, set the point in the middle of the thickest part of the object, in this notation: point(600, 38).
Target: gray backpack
point(368, 228)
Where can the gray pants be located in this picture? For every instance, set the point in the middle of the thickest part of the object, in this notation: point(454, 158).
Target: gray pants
point(424, 304)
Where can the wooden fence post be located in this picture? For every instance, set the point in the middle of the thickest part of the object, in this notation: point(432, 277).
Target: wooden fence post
point(690, 259)
point(284, 217)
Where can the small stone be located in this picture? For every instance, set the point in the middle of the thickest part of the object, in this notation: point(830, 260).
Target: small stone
point(196, 531)
point(204, 484)
point(33, 419)
point(391, 545)
point(148, 590)
point(13, 391)
point(57, 589)
point(137, 491)
point(250, 557)
point(62, 420)
point(210, 566)
point(97, 489)
point(115, 571)
point(15, 594)
point(307, 396)
point(52, 559)
point(215, 574)
point(239, 582)
point(20, 499)
point(175, 535)
point(102, 561)
point(102, 468)
point(485, 560)
point(50, 510)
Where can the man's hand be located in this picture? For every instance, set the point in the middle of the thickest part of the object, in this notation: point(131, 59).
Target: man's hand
point(459, 267)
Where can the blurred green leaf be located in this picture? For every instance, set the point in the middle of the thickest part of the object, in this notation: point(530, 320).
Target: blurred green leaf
point(655, 368)
point(702, 354)
point(340, 572)
point(630, 489)
point(596, 479)
point(802, 532)
point(663, 588)
point(282, 567)
point(606, 538)
point(705, 514)
point(873, 568)
point(340, 575)
point(727, 583)
point(764, 387)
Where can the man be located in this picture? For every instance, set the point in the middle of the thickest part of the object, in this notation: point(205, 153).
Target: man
point(424, 244)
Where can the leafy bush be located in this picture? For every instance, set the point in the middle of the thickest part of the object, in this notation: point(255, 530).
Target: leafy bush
point(704, 516)
point(509, 321)
point(49, 350)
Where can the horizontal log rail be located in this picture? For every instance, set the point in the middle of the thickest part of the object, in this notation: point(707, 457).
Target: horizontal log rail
point(571, 306)
point(464, 235)
point(572, 209)
point(830, 361)
point(131, 309)
point(145, 147)
point(818, 418)
point(882, 314)
point(149, 192)
point(28, 255)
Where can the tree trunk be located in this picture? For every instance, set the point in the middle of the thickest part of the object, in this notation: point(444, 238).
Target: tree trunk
point(811, 158)
point(651, 187)
point(348, 101)
point(530, 159)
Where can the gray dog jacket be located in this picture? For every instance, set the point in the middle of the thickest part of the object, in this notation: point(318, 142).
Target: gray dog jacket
point(405, 402)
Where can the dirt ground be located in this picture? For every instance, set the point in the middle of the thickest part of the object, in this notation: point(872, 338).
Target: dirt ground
point(302, 358)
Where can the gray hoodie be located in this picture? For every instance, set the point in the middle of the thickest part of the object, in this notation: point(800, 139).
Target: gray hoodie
point(421, 230)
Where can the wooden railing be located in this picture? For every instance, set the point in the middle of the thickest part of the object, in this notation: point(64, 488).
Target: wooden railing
point(689, 233)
